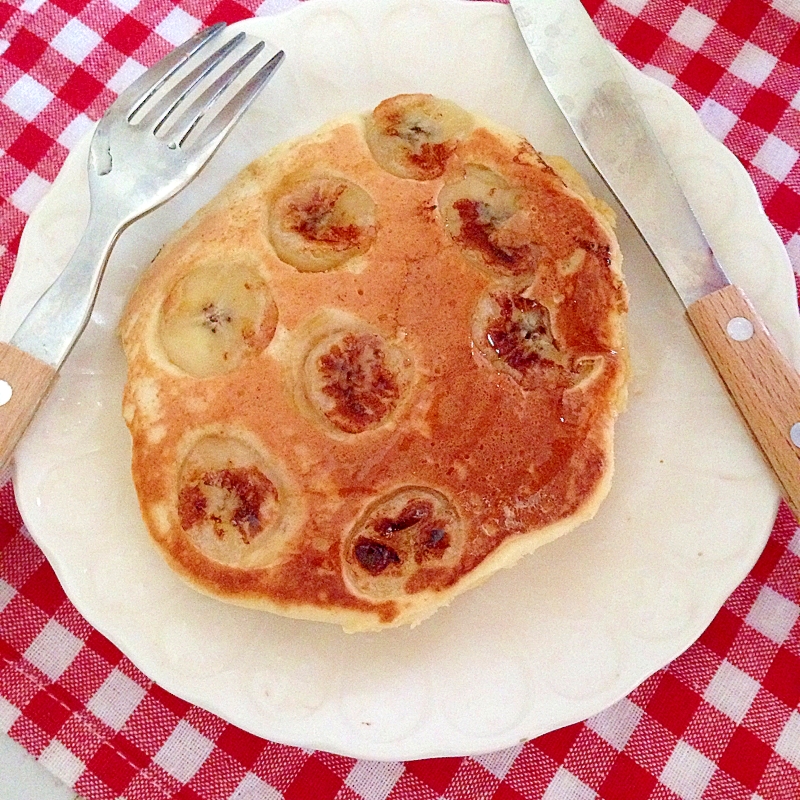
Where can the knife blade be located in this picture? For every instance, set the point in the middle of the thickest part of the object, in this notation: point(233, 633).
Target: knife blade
point(588, 84)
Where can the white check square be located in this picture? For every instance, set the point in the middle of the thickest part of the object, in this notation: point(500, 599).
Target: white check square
point(75, 41)
point(27, 97)
point(789, 7)
point(565, 786)
point(661, 75)
point(253, 788)
point(178, 26)
point(776, 158)
point(126, 5)
point(633, 7)
point(793, 249)
point(8, 715)
point(717, 119)
point(773, 615)
point(616, 724)
point(692, 28)
point(7, 593)
point(75, 131)
point(731, 691)
point(126, 75)
point(374, 779)
point(687, 772)
point(63, 763)
point(53, 650)
point(500, 761)
point(275, 7)
point(788, 744)
point(184, 752)
point(753, 64)
point(116, 699)
point(29, 193)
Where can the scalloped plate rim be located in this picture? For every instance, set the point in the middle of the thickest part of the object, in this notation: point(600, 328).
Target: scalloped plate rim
point(361, 750)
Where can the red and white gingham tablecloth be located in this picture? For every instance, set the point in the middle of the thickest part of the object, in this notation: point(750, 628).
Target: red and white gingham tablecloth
point(722, 722)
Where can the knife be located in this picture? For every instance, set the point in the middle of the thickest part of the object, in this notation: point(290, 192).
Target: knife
point(589, 86)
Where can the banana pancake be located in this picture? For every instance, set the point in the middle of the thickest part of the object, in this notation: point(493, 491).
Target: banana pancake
point(384, 363)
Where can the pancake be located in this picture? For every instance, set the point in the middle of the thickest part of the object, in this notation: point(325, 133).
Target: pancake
point(383, 364)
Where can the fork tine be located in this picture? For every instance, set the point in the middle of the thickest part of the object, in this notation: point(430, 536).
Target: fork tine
point(219, 127)
point(165, 106)
point(189, 119)
point(132, 99)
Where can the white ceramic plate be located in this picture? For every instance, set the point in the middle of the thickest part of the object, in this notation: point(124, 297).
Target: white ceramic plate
point(565, 633)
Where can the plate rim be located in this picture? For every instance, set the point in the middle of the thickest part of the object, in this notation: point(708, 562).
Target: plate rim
point(372, 752)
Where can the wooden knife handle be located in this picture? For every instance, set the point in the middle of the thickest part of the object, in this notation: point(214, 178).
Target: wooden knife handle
point(29, 381)
point(759, 378)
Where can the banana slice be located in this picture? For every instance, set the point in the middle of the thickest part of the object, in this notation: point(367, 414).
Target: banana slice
point(227, 504)
point(217, 317)
point(405, 542)
point(318, 223)
point(354, 379)
point(514, 333)
point(485, 216)
point(413, 135)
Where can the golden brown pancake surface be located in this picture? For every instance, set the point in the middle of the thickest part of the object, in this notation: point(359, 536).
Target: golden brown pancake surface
point(384, 363)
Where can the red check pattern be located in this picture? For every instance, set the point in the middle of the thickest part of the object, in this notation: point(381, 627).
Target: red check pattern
point(722, 722)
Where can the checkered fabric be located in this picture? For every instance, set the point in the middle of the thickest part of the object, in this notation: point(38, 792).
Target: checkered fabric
point(722, 722)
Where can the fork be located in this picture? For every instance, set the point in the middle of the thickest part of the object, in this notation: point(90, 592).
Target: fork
point(153, 140)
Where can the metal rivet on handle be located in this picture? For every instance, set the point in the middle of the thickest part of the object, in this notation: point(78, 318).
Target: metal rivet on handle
point(740, 329)
point(794, 433)
point(5, 392)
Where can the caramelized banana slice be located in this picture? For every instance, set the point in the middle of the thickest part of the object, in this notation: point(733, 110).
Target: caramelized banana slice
point(515, 334)
point(413, 135)
point(318, 223)
point(216, 317)
point(227, 503)
point(484, 215)
point(404, 542)
point(355, 379)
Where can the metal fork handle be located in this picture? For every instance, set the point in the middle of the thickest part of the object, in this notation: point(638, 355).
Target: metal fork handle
point(29, 363)
point(67, 304)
